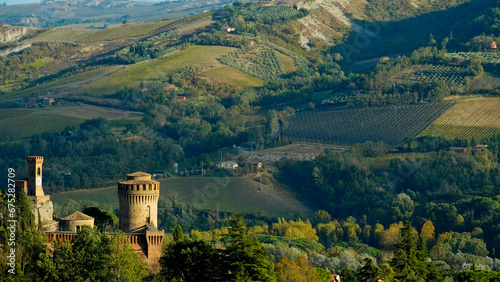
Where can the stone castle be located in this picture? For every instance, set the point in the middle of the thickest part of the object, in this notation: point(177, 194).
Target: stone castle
point(138, 196)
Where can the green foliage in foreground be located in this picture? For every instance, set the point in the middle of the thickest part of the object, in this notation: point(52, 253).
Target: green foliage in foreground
point(478, 276)
point(244, 258)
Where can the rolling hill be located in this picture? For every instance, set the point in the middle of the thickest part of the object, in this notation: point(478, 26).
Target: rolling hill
point(228, 194)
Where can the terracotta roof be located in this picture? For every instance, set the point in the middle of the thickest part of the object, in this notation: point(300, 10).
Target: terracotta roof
point(77, 216)
point(139, 173)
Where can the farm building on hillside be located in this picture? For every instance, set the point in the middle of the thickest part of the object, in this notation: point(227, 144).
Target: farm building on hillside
point(181, 98)
point(228, 29)
point(458, 149)
point(48, 101)
point(227, 165)
point(481, 146)
point(257, 165)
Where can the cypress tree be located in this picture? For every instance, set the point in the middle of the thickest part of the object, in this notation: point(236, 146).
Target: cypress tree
point(407, 263)
point(246, 256)
point(369, 272)
point(25, 216)
point(178, 235)
point(347, 275)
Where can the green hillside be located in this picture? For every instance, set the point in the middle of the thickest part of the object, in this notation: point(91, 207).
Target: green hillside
point(227, 194)
point(196, 56)
point(19, 124)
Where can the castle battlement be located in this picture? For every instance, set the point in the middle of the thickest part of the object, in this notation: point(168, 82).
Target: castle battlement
point(147, 246)
point(35, 158)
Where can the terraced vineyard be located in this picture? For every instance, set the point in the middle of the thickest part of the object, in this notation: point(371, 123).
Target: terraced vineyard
point(261, 62)
point(478, 118)
point(287, 63)
point(346, 126)
point(493, 58)
point(451, 75)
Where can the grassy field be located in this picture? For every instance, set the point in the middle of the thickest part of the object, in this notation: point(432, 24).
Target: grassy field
point(229, 194)
point(287, 63)
point(32, 122)
point(16, 124)
point(124, 31)
point(71, 83)
point(233, 76)
point(476, 117)
point(62, 35)
point(195, 56)
point(96, 35)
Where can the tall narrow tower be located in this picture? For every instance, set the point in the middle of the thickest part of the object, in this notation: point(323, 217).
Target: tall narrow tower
point(42, 206)
point(138, 197)
point(35, 176)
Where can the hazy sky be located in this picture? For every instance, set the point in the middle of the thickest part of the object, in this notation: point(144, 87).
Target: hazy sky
point(14, 2)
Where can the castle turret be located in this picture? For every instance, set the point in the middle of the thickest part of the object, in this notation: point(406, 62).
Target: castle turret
point(138, 197)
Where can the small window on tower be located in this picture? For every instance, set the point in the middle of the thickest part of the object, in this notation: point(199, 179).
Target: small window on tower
point(38, 172)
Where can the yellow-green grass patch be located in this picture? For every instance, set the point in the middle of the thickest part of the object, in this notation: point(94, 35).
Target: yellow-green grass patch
point(125, 31)
point(188, 29)
point(62, 35)
point(194, 56)
point(233, 76)
point(476, 118)
point(287, 63)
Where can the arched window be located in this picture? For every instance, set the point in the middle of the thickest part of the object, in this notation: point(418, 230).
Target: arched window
point(38, 172)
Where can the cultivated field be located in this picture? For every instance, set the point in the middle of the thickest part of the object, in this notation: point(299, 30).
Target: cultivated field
point(296, 151)
point(287, 63)
point(345, 126)
point(16, 124)
point(96, 35)
point(233, 76)
point(492, 58)
point(477, 117)
point(451, 75)
point(229, 194)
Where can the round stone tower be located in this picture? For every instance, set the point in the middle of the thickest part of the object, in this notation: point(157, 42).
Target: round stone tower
point(138, 197)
